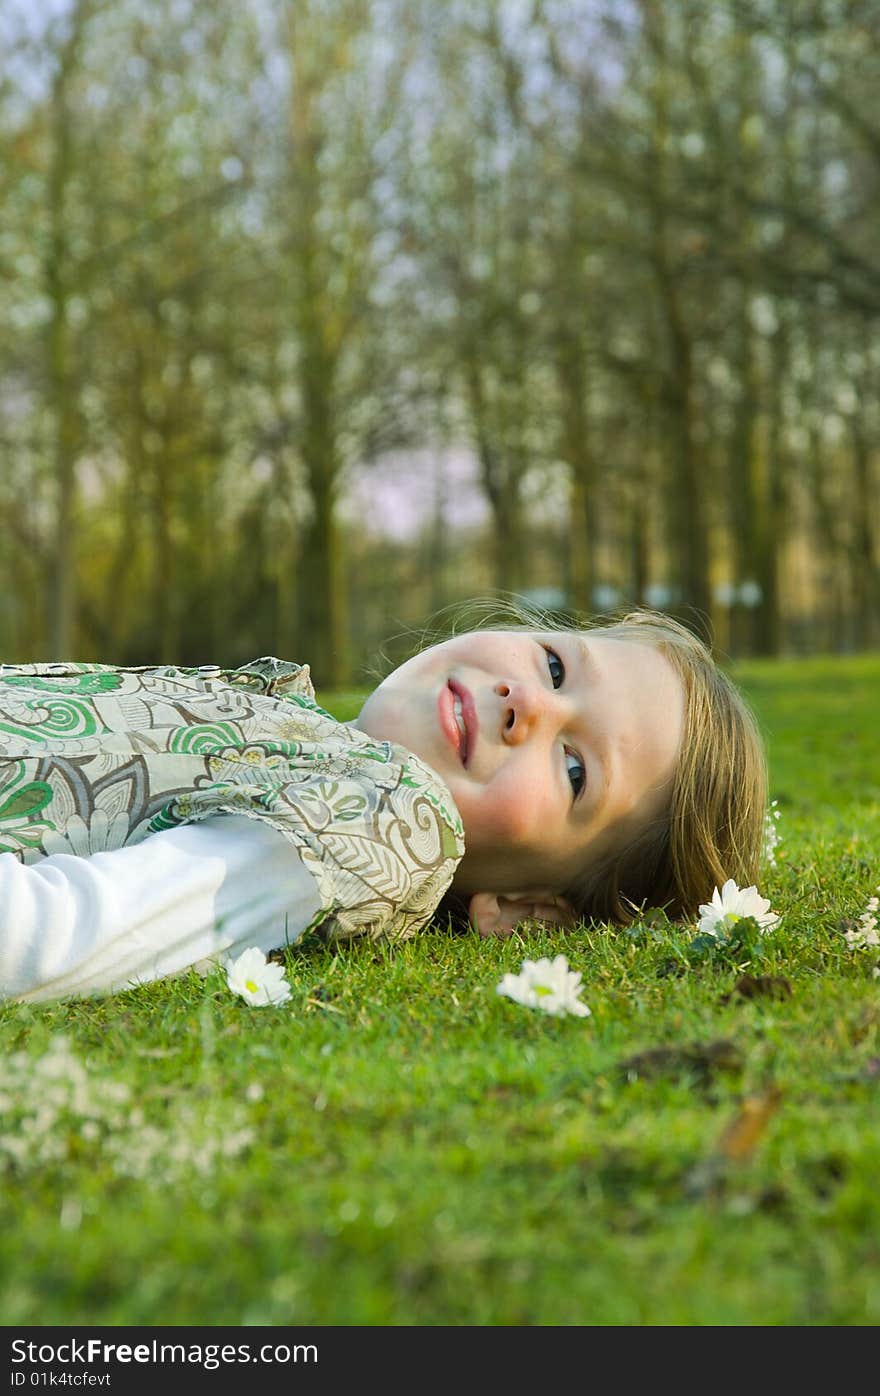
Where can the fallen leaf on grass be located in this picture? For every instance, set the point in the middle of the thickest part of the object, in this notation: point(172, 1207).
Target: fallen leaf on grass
point(735, 1144)
point(739, 1138)
point(756, 986)
point(699, 1058)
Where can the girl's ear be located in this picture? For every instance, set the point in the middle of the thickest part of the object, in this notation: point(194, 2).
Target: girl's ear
point(497, 913)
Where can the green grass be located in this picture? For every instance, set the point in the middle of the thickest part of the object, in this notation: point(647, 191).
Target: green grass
point(422, 1151)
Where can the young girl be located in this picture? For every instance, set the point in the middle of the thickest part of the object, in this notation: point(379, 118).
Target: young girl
point(153, 819)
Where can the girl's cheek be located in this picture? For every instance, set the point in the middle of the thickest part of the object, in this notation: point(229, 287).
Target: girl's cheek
point(518, 808)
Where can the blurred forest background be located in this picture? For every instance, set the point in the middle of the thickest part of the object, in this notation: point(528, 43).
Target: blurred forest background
point(318, 315)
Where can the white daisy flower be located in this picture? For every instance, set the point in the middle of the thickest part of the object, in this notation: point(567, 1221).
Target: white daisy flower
point(866, 933)
point(771, 833)
point(730, 905)
point(258, 981)
point(546, 984)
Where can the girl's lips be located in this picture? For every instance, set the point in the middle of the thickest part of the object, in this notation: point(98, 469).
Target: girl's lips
point(451, 729)
point(467, 743)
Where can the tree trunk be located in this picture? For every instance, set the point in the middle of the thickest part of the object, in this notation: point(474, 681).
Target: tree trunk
point(866, 573)
point(687, 483)
point(772, 520)
point(321, 614)
point(575, 450)
point(60, 365)
point(321, 604)
point(640, 549)
point(501, 482)
point(691, 547)
point(501, 488)
point(744, 487)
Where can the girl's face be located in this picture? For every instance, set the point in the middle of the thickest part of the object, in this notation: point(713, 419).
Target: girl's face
point(555, 747)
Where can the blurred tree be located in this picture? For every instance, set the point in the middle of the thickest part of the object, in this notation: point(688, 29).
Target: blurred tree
point(62, 375)
point(470, 212)
point(339, 105)
point(246, 249)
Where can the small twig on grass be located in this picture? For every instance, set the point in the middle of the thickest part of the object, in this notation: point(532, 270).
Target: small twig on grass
point(327, 1007)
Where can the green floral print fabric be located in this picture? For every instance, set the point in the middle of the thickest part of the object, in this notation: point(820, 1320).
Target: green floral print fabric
point(94, 757)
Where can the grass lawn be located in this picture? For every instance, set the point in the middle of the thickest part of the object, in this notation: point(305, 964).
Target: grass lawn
point(401, 1145)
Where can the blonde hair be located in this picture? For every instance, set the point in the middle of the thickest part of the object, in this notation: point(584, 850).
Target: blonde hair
point(712, 827)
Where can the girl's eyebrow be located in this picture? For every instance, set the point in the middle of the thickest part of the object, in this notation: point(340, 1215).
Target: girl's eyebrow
point(586, 656)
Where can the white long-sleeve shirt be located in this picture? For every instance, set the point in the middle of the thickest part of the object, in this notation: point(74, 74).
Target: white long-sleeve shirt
point(186, 896)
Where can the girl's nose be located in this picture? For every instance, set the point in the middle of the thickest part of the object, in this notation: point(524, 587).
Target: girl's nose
point(523, 705)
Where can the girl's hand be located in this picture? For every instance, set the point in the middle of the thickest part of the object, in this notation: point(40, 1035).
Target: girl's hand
point(499, 914)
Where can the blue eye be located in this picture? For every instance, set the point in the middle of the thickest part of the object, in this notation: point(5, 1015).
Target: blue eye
point(574, 766)
point(556, 667)
point(576, 773)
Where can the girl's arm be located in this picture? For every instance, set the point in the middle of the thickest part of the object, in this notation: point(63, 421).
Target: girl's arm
point(71, 925)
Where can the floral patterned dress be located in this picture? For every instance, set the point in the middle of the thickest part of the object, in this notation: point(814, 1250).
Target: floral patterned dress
point(94, 757)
